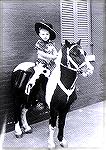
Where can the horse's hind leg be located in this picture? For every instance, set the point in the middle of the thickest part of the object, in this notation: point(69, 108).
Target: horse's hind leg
point(52, 125)
point(25, 125)
point(61, 124)
point(17, 118)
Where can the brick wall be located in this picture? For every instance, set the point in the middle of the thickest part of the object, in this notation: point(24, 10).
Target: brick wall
point(104, 58)
point(19, 39)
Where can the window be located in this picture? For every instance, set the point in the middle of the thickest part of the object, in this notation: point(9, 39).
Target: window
point(75, 22)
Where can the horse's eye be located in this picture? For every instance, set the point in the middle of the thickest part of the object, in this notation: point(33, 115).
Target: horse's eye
point(44, 71)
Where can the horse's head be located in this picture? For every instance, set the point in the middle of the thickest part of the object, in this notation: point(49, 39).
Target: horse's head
point(76, 52)
point(76, 58)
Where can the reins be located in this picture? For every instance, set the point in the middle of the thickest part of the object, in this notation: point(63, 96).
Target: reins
point(68, 67)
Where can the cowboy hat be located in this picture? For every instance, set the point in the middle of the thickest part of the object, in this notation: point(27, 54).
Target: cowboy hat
point(46, 26)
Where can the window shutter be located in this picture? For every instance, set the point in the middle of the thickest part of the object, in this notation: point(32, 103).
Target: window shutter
point(67, 20)
point(75, 22)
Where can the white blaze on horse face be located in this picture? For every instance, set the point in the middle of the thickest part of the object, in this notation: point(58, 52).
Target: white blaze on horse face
point(68, 50)
point(81, 51)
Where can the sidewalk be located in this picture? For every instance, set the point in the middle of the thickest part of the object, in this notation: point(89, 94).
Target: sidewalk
point(83, 130)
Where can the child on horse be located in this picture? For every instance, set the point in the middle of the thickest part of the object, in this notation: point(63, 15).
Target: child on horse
point(46, 51)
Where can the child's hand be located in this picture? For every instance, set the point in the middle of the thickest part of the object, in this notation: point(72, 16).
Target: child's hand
point(51, 63)
point(55, 56)
point(50, 48)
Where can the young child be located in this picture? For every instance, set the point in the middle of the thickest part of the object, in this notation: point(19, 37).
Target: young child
point(45, 47)
point(46, 52)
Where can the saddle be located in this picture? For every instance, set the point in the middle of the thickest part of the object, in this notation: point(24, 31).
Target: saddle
point(21, 77)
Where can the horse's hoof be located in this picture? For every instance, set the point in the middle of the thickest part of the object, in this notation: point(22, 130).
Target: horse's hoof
point(63, 143)
point(51, 145)
point(18, 136)
point(28, 132)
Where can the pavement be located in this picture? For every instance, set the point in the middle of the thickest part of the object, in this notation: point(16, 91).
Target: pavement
point(84, 129)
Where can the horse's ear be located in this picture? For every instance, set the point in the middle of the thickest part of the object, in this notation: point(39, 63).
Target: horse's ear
point(79, 42)
point(67, 43)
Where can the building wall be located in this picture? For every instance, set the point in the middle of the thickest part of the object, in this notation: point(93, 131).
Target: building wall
point(19, 38)
point(90, 89)
point(98, 39)
point(104, 54)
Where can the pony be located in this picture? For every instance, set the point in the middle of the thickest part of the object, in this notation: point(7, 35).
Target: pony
point(32, 84)
point(59, 97)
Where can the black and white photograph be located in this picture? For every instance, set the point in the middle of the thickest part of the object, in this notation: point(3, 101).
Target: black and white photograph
point(52, 74)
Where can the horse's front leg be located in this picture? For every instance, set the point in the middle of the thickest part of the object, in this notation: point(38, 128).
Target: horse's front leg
point(52, 126)
point(61, 124)
point(51, 143)
point(18, 131)
point(25, 125)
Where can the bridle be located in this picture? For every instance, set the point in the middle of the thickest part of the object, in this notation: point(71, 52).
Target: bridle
point(69, 59)
point(76, 69)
